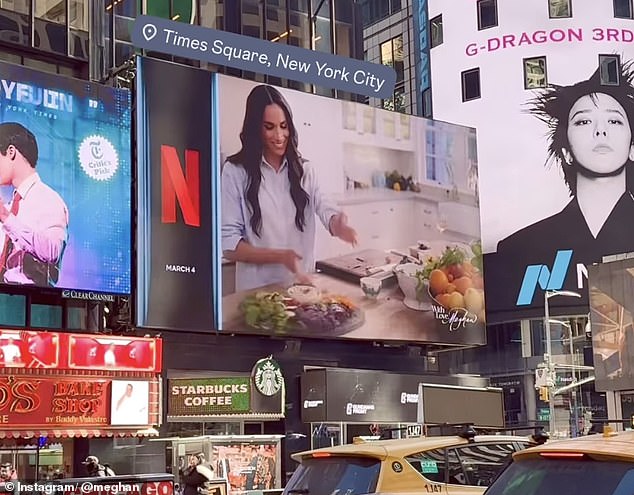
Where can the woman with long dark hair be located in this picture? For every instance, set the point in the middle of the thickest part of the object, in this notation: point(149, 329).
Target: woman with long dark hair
point(270, 198)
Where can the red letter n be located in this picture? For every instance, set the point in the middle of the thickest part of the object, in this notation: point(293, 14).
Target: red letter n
point(175, 185)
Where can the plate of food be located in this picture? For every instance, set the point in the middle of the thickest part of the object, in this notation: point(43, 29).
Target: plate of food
point(301, 311)
point(454, 279)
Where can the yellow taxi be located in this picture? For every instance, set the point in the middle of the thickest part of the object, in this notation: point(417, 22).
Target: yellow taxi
point(600, 464)
point(453, 465)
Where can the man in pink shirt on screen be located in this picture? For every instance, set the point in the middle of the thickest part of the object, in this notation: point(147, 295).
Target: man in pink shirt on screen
point(34, 225)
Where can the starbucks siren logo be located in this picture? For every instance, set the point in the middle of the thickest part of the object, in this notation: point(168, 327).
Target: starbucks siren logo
point(268, 377)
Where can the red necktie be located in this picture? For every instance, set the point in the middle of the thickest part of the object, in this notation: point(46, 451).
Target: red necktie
point(8, 245)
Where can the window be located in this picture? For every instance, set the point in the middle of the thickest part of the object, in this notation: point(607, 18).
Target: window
point(426, 103)
point(12, 310)
point(535, 73)
point(46, 316)
point(609, 66)
point(392, 55)
point(487, 14)
point(559, 9)
point(623, 9)
point(54, 11)
point(478, 464)
point(470, 84)
point(435, 26)
point(21, 6)
point(322, 476)
point(431, 464)
point(375, 10)
point(438, 153)
point(563, 476)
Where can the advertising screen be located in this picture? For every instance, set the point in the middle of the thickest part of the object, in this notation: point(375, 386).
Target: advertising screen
point(611, 311)
point(361, 225)
point(549, 90)
point(248, 467)
point(69, 351)
point(65, 182)
point(129, 403)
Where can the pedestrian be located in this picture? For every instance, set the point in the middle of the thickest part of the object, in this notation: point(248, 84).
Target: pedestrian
point(196, 475)
point(95, 469)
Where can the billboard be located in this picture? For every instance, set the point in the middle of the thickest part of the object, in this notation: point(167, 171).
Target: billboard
point(367, 227)
point(364, 396)
point(611, 311)
point(69, 351)
point(247, 467)
point(129, 403)
point(65, 182)
point(554, 140)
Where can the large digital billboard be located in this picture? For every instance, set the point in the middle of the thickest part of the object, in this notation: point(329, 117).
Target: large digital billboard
point(549, 89)
point(363, 224)
point(611, 316)
point(65, 182)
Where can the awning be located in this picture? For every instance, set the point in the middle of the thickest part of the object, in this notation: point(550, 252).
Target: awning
point(79, 433)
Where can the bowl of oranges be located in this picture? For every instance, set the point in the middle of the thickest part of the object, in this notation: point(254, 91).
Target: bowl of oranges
point(455, 279)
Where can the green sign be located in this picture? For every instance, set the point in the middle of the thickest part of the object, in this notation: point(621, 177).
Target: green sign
point(429, 467)
point(543, 414)
point(196, 397)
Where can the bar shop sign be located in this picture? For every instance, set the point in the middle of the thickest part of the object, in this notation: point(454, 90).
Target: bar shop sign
point(191, 397)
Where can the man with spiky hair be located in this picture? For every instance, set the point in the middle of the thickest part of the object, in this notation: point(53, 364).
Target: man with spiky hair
point(590, 139)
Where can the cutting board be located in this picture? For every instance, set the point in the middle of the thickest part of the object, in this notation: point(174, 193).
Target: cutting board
point(354, 266)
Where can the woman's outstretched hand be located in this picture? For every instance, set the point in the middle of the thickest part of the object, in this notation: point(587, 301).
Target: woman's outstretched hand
point(340, 228)
point(290, 259)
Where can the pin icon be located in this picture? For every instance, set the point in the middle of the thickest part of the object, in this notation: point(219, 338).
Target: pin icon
point(149, 31)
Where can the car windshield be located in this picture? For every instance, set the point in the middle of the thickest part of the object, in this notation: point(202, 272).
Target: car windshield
point(327, 475)
point(565, 477)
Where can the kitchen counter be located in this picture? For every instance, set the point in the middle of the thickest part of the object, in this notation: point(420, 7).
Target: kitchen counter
point(386, 318)
point(430, 193)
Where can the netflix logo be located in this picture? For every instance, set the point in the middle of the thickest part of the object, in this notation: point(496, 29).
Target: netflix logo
point(176, 186)
point(175, 191)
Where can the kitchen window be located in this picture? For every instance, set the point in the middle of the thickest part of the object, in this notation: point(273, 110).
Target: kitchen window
point(623, 9)
point(438, 146)
point(487, 14)
point(609, 68)
point(435, 27)
point(470, 84)
point(535, 73)
point(558, 9)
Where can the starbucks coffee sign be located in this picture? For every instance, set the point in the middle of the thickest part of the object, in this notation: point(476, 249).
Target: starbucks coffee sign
point(258, 395)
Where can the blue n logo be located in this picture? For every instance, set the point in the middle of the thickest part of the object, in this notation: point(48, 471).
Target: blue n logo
point(546, 278)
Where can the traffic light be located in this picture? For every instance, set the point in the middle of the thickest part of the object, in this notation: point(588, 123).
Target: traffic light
point(543, 394)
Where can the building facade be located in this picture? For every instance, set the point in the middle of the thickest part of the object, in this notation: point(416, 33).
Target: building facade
point(389, 38)
point(328, 26)
point(515, 72)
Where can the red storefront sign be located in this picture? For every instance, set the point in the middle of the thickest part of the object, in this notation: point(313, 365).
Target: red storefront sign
point(68, 351)
point(27, 401)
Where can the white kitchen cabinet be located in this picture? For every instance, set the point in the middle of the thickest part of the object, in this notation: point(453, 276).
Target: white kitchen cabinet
point(377, 127)
point(398, 224)
point(319, 139)
point(426, 221)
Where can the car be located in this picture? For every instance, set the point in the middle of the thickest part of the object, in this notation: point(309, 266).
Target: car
point(455, 465)
point(601, 464)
